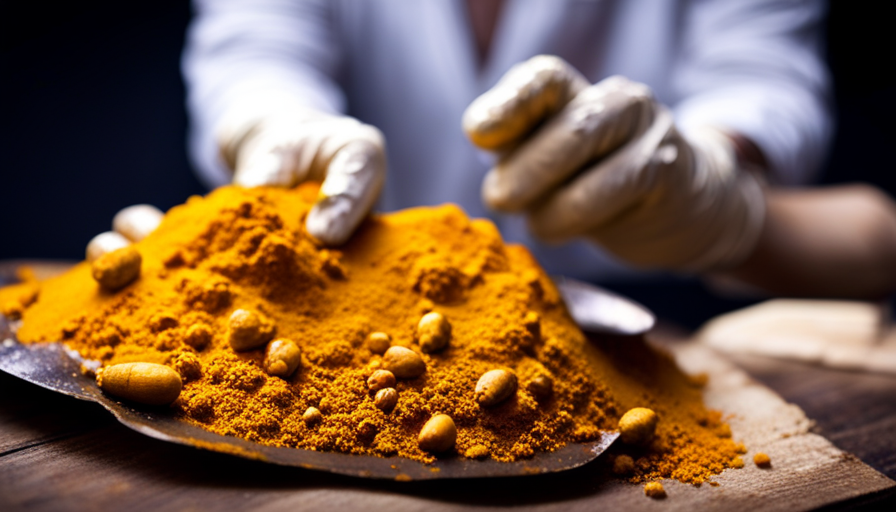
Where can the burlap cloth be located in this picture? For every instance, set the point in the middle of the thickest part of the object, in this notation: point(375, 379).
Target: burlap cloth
point(807, 470)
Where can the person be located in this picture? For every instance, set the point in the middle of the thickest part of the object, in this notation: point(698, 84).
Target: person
point(658, 134)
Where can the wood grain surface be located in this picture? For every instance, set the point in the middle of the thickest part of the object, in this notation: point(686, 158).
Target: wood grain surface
point(856, 411)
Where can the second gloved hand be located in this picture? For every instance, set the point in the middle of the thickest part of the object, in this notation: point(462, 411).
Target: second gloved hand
point(605, 162)
point(293, 145)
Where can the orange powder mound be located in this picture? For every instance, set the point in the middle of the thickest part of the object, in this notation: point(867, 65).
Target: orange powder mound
point(247, 248)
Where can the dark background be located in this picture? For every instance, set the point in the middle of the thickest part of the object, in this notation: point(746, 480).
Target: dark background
point(93, 120)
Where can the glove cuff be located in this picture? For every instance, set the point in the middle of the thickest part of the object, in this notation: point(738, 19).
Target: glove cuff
point(740, 212)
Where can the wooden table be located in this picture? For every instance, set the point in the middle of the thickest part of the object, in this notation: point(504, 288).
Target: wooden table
point(58, 453)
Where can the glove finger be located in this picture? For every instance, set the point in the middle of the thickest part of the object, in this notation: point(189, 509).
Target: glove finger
point(528, 93)
point(346, 155)
point(596, 122)
point(604, 191)
point(285, 152)
point(137, 221)
point(265, 161)
point(354, 178)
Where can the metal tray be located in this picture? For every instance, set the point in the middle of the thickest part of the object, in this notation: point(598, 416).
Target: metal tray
point(53, 366)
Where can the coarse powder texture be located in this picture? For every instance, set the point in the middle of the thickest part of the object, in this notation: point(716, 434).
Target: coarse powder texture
point(247, 248)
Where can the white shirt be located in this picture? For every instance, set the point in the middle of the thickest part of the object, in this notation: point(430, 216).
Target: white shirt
point(411, 68)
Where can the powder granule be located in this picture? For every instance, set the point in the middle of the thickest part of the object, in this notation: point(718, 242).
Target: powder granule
point(248, 249)
point(654, 490)
point(623, 465)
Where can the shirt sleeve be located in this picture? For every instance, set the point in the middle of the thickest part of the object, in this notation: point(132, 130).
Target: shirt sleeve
point(755, 68)
point(255, 56)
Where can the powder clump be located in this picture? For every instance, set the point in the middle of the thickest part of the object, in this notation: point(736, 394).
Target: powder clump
point(355, 311)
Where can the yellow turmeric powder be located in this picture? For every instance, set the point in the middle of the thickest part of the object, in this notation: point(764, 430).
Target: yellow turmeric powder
point(247, 249)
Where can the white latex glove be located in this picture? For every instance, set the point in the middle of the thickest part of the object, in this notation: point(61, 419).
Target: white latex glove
point(284, 147)
point(605, 162)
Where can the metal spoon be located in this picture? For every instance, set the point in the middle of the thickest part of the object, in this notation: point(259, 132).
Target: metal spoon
point(602, 311)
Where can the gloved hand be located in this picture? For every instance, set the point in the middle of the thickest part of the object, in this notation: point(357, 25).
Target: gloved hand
point(295, 145)
point(606, 162)
point(284, 149)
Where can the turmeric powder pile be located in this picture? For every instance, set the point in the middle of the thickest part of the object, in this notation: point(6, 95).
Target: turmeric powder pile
point(424, 314)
